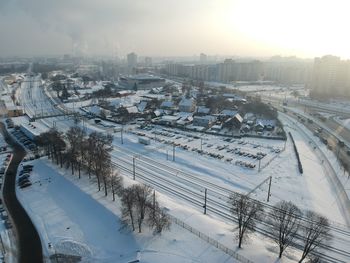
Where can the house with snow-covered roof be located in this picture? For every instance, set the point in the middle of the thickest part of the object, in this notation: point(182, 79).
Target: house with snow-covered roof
point(187, 105)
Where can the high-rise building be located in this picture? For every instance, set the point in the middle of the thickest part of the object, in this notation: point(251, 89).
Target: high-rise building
point(203, 58)
point(132, 60)
point(148, 61)
point(331, 76)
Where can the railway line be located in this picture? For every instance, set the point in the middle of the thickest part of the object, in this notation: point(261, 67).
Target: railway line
point(190, 188)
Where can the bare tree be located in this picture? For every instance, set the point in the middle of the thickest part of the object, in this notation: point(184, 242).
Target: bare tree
point(53, 143)
point(101, 162)
point(72, 137)
point(128, 201)
point(158, 219)
point(116, 184)
point(247, 212)
point(284, 221)
point(90, 151)
point(315, 232)
point(143, 195)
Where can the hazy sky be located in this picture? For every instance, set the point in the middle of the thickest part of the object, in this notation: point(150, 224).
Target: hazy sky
point(304, 28)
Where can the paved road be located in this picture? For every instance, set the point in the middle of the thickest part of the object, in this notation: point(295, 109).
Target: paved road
point(30, 250)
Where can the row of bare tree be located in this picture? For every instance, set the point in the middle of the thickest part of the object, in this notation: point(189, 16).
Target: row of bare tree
point(139, 206)
point(286, 224)
point(80, 151)
point(91, 154)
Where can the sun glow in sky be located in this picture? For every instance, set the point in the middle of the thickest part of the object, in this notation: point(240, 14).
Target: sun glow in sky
point(302, 27)
point(305, 28)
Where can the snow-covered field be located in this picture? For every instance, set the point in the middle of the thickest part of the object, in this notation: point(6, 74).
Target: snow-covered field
point(77, 220)
point(344, 122)
point(312, 190)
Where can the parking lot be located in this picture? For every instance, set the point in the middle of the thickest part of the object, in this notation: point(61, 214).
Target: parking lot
point(245, 153)
point(21, 137)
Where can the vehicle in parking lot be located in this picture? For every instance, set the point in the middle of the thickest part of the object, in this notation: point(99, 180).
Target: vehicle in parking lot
point(26, 184)
point(24, 181)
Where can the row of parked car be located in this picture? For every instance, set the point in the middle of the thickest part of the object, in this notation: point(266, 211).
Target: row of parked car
point(5, 164)
point(245, 164)
point(6, 221)
point(10, 123)
point(24, 176)
point(23, 139)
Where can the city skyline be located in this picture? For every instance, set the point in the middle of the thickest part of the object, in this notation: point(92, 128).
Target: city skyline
point(162, 28)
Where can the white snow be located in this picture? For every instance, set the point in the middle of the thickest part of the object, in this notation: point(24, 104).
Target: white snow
point(81, 221)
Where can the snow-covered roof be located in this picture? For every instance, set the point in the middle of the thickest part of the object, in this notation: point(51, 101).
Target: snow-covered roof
point(142, 106)
point(115, 103)
point(95, 109)
point(182, 114)
point(230, 113)
point(170, 118)
point(167, 104)
point(35, 128)
point(238, 117)
point(206, 117)
point(203, 109)
point(266, 122)
point(249, 115)
point(132, 109)
point(186, 102)
point(158, 112)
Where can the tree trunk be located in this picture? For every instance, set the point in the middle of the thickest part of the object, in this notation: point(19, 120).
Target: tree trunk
point(240, 238)
point(79, 168)
point(98, 183)
point(72, 168)
point(105, 185)
point(140, 225)
point(132, 220)
point(280, 253)
point(61, 161)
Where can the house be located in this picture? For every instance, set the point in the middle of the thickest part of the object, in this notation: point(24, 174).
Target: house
point(132, 110)
point(187, 105)
point(234, 122)
point(185, 118)
point(204, 121)
point(245, 128)
point(228, 113)
point(259, 126)
point(167, 105)
point(142, 106)
point(202, 110)
point(33, 129)
point(168, 120)
point(268, 124)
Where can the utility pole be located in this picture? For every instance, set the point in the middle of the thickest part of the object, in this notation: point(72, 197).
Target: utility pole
point(133, 167)
point(268, 193)
point(173, 152)
point(201, 144)
point(121, 134)
point(205, 201)
point(259, 165)
point(154, 203)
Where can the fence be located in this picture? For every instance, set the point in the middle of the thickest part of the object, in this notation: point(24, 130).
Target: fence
point(210, 240)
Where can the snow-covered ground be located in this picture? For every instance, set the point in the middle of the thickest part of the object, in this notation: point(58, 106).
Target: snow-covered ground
point(6, 234)
point(312, 190)
point(344, 122)
point(80, 221)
